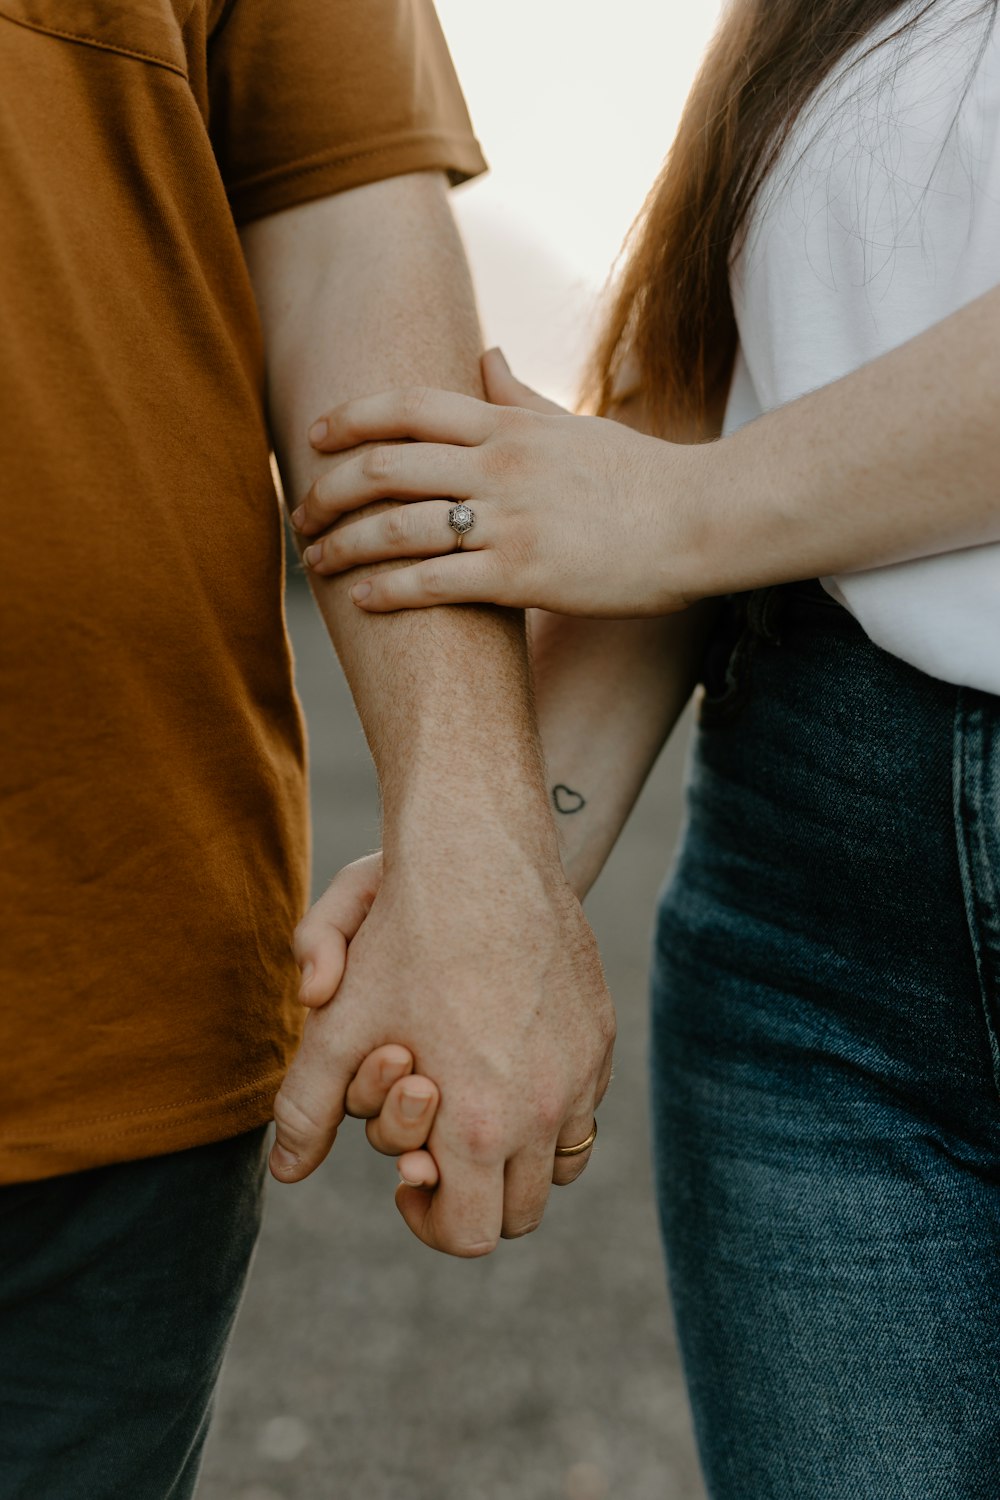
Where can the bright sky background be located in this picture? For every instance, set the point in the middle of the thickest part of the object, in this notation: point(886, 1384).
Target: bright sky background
point(575, 102)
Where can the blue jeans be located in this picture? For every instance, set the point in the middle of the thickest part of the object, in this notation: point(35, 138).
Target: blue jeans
point(826, 1069)
point(118, 1290)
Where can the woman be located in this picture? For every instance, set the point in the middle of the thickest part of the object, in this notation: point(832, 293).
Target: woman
point(814, 278)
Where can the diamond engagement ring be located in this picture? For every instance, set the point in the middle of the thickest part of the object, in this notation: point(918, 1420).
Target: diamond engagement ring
point(461, 519)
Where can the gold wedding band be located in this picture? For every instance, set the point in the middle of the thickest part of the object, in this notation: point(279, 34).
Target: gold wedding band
point(583, 1146)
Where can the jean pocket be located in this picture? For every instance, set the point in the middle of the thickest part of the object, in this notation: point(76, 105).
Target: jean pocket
point(145, 29)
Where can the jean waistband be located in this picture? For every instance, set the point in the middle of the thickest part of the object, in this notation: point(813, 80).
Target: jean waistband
point(762, 617)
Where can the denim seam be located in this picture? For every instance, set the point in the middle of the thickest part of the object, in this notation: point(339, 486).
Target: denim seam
point(978, 884)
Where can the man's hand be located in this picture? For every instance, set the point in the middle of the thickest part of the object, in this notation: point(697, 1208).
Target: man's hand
point(517, 1036)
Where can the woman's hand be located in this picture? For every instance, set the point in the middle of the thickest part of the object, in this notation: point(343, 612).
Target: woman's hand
point(578, 515)
point(398, 1104)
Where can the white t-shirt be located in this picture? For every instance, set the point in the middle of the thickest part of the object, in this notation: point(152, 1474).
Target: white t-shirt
point(881, 218)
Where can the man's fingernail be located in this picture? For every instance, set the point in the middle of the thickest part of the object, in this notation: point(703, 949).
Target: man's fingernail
point(298, 516)
point(308, 970)
point(408, 1182)
point(283, 1159)
point(318, 431)
point(412, 1106)
point(359, 591)
point(312, 555)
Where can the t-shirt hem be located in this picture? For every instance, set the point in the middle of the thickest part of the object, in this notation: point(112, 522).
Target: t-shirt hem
point(458, 155)
point(77, 1147)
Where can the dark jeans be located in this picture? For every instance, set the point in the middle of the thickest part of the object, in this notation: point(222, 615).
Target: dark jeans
point(825, 1066)
point(118, 1291)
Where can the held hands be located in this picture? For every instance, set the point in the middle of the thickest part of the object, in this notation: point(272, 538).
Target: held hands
point(578, 515)
point(398, 1104)
point(517, 1033)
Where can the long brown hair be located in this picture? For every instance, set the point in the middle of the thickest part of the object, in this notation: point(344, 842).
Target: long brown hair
point(671, 314)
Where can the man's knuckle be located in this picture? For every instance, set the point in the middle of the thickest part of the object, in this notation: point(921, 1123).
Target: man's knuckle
point(549, 1114)
point(483, 1139)
point(608, 1029)
point(294, 1120)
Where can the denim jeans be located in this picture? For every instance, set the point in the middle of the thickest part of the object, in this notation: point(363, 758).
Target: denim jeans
point(826, 1068)
point(118, 1290)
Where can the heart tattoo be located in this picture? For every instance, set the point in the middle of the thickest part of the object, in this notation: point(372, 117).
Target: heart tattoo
point(566, 800)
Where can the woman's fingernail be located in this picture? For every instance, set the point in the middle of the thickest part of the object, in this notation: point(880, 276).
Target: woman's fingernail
point(501, 356)
point(282, 1159)
point(312, 555)
point(308, 970)
point(412, 1106)
point(359, 591)
point(298, 516)
point(408, 1182)
point(318, 431)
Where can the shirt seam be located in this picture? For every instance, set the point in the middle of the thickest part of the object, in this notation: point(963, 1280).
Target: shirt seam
point(317, 160)
point(94, 41)
point(92, 1137)
point(257, 1088)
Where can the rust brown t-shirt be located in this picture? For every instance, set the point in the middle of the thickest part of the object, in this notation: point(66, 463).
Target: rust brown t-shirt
point(153, 834)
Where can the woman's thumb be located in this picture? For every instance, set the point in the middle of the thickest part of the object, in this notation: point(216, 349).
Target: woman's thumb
point(504, 389)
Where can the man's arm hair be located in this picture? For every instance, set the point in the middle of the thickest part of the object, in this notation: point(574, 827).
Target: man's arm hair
point(358, 293)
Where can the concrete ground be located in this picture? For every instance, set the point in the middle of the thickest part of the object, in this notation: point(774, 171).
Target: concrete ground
point(366, 1366)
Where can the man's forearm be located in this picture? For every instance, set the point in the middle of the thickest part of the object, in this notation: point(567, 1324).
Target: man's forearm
point(360, 293)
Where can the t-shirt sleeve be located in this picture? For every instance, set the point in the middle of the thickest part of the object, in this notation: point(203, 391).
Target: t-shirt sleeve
point(309, 97)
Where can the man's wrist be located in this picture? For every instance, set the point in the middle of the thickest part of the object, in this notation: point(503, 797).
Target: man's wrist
point(468, 818)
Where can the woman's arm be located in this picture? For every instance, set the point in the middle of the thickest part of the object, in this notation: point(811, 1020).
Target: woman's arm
point(609, 693)
point(900, 459)
point(895, 461)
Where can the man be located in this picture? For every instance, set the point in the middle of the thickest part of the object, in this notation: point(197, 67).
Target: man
point(151, 774)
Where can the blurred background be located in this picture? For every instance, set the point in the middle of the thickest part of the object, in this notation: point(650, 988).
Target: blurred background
point(364, 1365)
